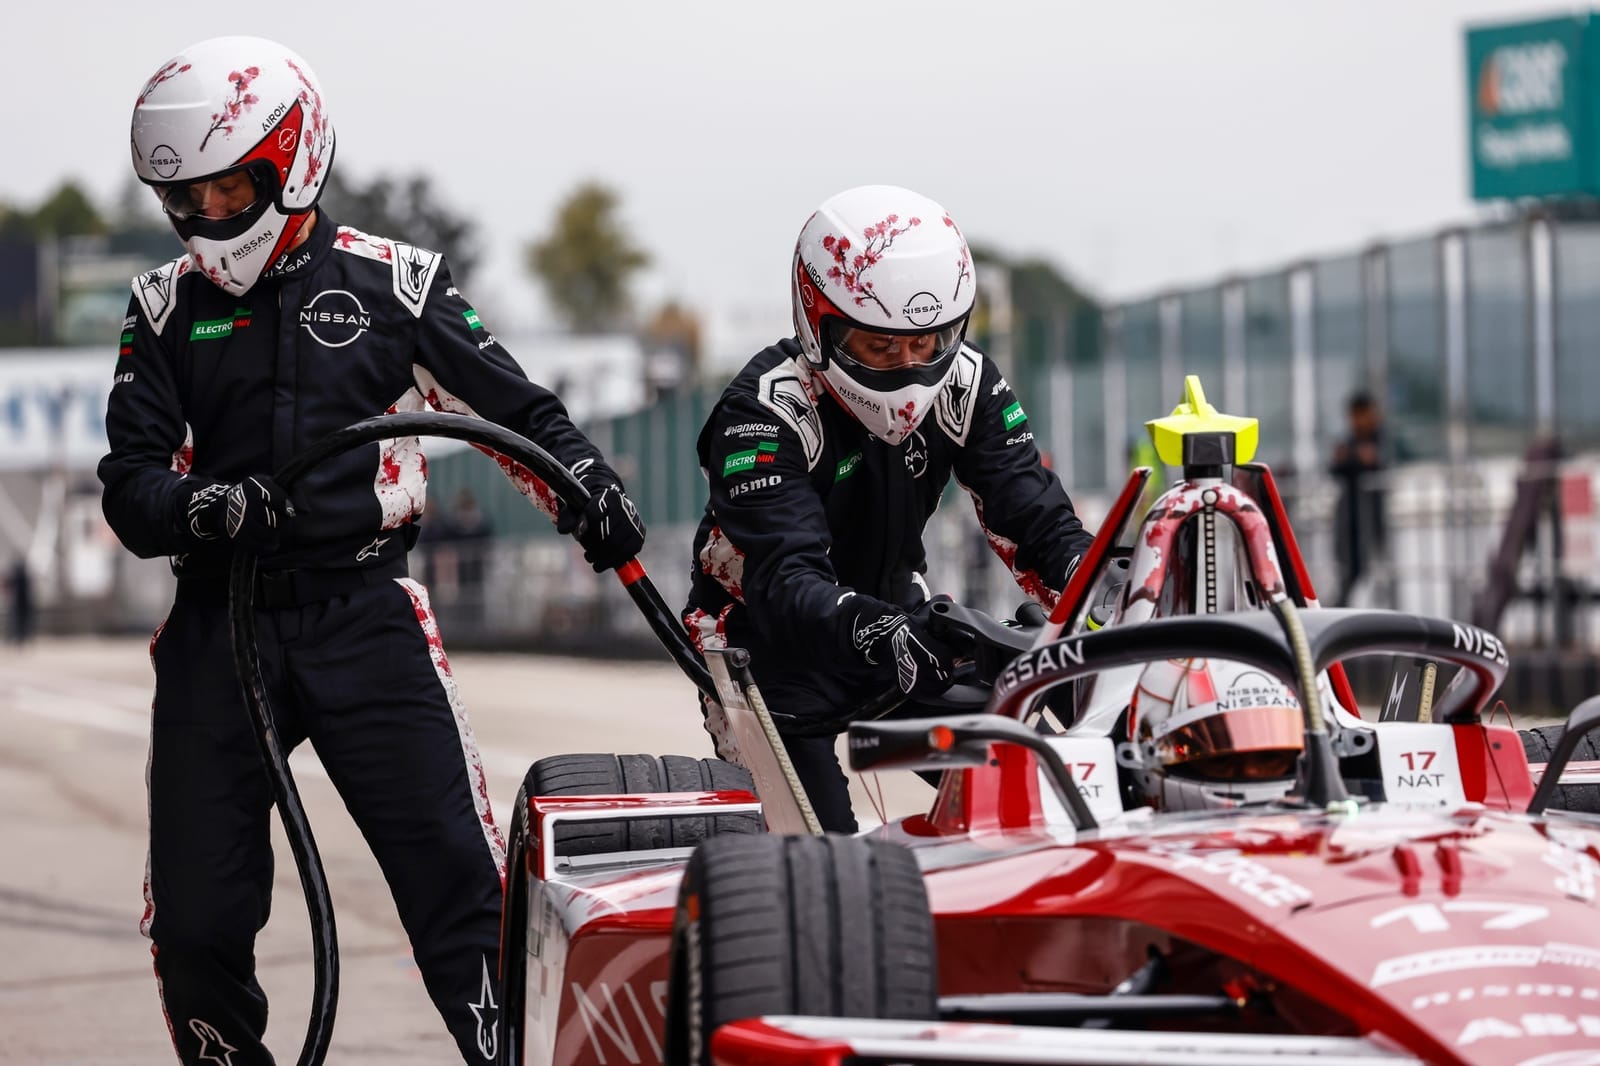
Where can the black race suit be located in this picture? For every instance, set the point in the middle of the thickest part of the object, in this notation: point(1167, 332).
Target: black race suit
point(806, 506)
point(211, 387)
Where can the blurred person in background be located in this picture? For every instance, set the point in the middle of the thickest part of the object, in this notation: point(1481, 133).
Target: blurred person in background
point(455, 544)
point(1361, 526)
point(826, 457)
point(277, 327)
point(471, 530)
point(19, 596)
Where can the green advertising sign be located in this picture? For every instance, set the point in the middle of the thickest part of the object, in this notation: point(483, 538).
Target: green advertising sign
point(1531, 109)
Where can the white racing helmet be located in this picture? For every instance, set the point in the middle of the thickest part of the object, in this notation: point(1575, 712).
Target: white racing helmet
point(884, 259)
point(225, 106)
point(1214, 734)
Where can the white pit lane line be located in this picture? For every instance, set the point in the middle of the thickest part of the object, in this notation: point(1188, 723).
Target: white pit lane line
point(125, 710)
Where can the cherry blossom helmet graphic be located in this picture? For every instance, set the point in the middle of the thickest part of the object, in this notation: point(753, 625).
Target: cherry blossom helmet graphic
point(1214, 734)
point(890, 261)
point(233, 135)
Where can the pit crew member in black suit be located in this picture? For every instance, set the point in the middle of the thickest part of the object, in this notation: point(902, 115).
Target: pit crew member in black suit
point(826, 457)
point(277, 327)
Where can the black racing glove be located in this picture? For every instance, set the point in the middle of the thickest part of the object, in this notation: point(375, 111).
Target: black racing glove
point(883, 634)
point(251, 513)
point(608, 527)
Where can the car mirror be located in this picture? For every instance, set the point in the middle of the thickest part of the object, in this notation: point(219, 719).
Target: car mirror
point(943, 743)
point(1585, 719)
point(919, 744)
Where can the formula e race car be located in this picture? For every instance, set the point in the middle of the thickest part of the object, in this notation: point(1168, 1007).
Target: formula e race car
point(1165, 830)
point(1405, 895)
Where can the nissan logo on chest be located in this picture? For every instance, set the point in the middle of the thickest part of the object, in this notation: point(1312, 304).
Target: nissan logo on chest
point(335, 318)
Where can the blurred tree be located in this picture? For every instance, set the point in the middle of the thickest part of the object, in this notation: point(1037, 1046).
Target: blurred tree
point(406, 210)
point(136, 210)
point(16, 225)
point(1041, 298)
point(586, 261)
point(671, 339)
point(66, 212)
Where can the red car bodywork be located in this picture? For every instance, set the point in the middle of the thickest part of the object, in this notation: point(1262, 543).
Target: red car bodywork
point(1462, 933)
point(1468, 936)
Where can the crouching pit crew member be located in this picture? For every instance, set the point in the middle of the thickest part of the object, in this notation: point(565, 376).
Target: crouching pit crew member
point(827, 456)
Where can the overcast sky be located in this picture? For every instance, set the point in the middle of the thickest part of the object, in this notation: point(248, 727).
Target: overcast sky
point(1135, 145)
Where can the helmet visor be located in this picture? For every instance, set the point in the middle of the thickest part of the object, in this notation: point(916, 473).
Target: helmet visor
point(871, 349)
point(1249, 742)
point(218, 198)
point(885, 361)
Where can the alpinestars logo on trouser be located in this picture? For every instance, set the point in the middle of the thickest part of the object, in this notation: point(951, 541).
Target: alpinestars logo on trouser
point(212, 1047)
point(487, 1014)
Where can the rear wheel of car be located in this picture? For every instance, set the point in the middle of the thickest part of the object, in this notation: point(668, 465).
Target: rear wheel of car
point(1539, 743)
point(620, 775)
point(833, 926)
point(600, 775)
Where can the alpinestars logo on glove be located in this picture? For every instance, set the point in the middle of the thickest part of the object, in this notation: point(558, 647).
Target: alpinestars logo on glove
point(868, 634)
point(629, 512)
point(906, 649)
point(197, 509)
point(239, 505)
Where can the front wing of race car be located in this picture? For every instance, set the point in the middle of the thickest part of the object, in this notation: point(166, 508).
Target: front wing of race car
point(806, 1041)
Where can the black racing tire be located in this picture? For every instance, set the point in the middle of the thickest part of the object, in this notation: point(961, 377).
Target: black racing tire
point(598, 775)
point(513, 971)
point(833, 926)
point(621, 775)
point(1539, 743)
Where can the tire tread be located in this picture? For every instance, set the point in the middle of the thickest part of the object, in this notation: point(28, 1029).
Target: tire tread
point(832, 926)
point(600, 774)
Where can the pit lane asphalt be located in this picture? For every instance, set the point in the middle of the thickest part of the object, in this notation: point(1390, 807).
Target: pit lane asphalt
point(76, 984)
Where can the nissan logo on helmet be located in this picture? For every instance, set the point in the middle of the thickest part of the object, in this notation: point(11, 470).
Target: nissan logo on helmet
point(165, 160)
point(922, 309)
point(335, 318)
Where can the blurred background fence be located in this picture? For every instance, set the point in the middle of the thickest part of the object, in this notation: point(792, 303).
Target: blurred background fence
point(1479, 346)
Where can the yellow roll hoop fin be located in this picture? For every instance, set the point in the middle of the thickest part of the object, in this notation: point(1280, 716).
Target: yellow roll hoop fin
point(1194, 415)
